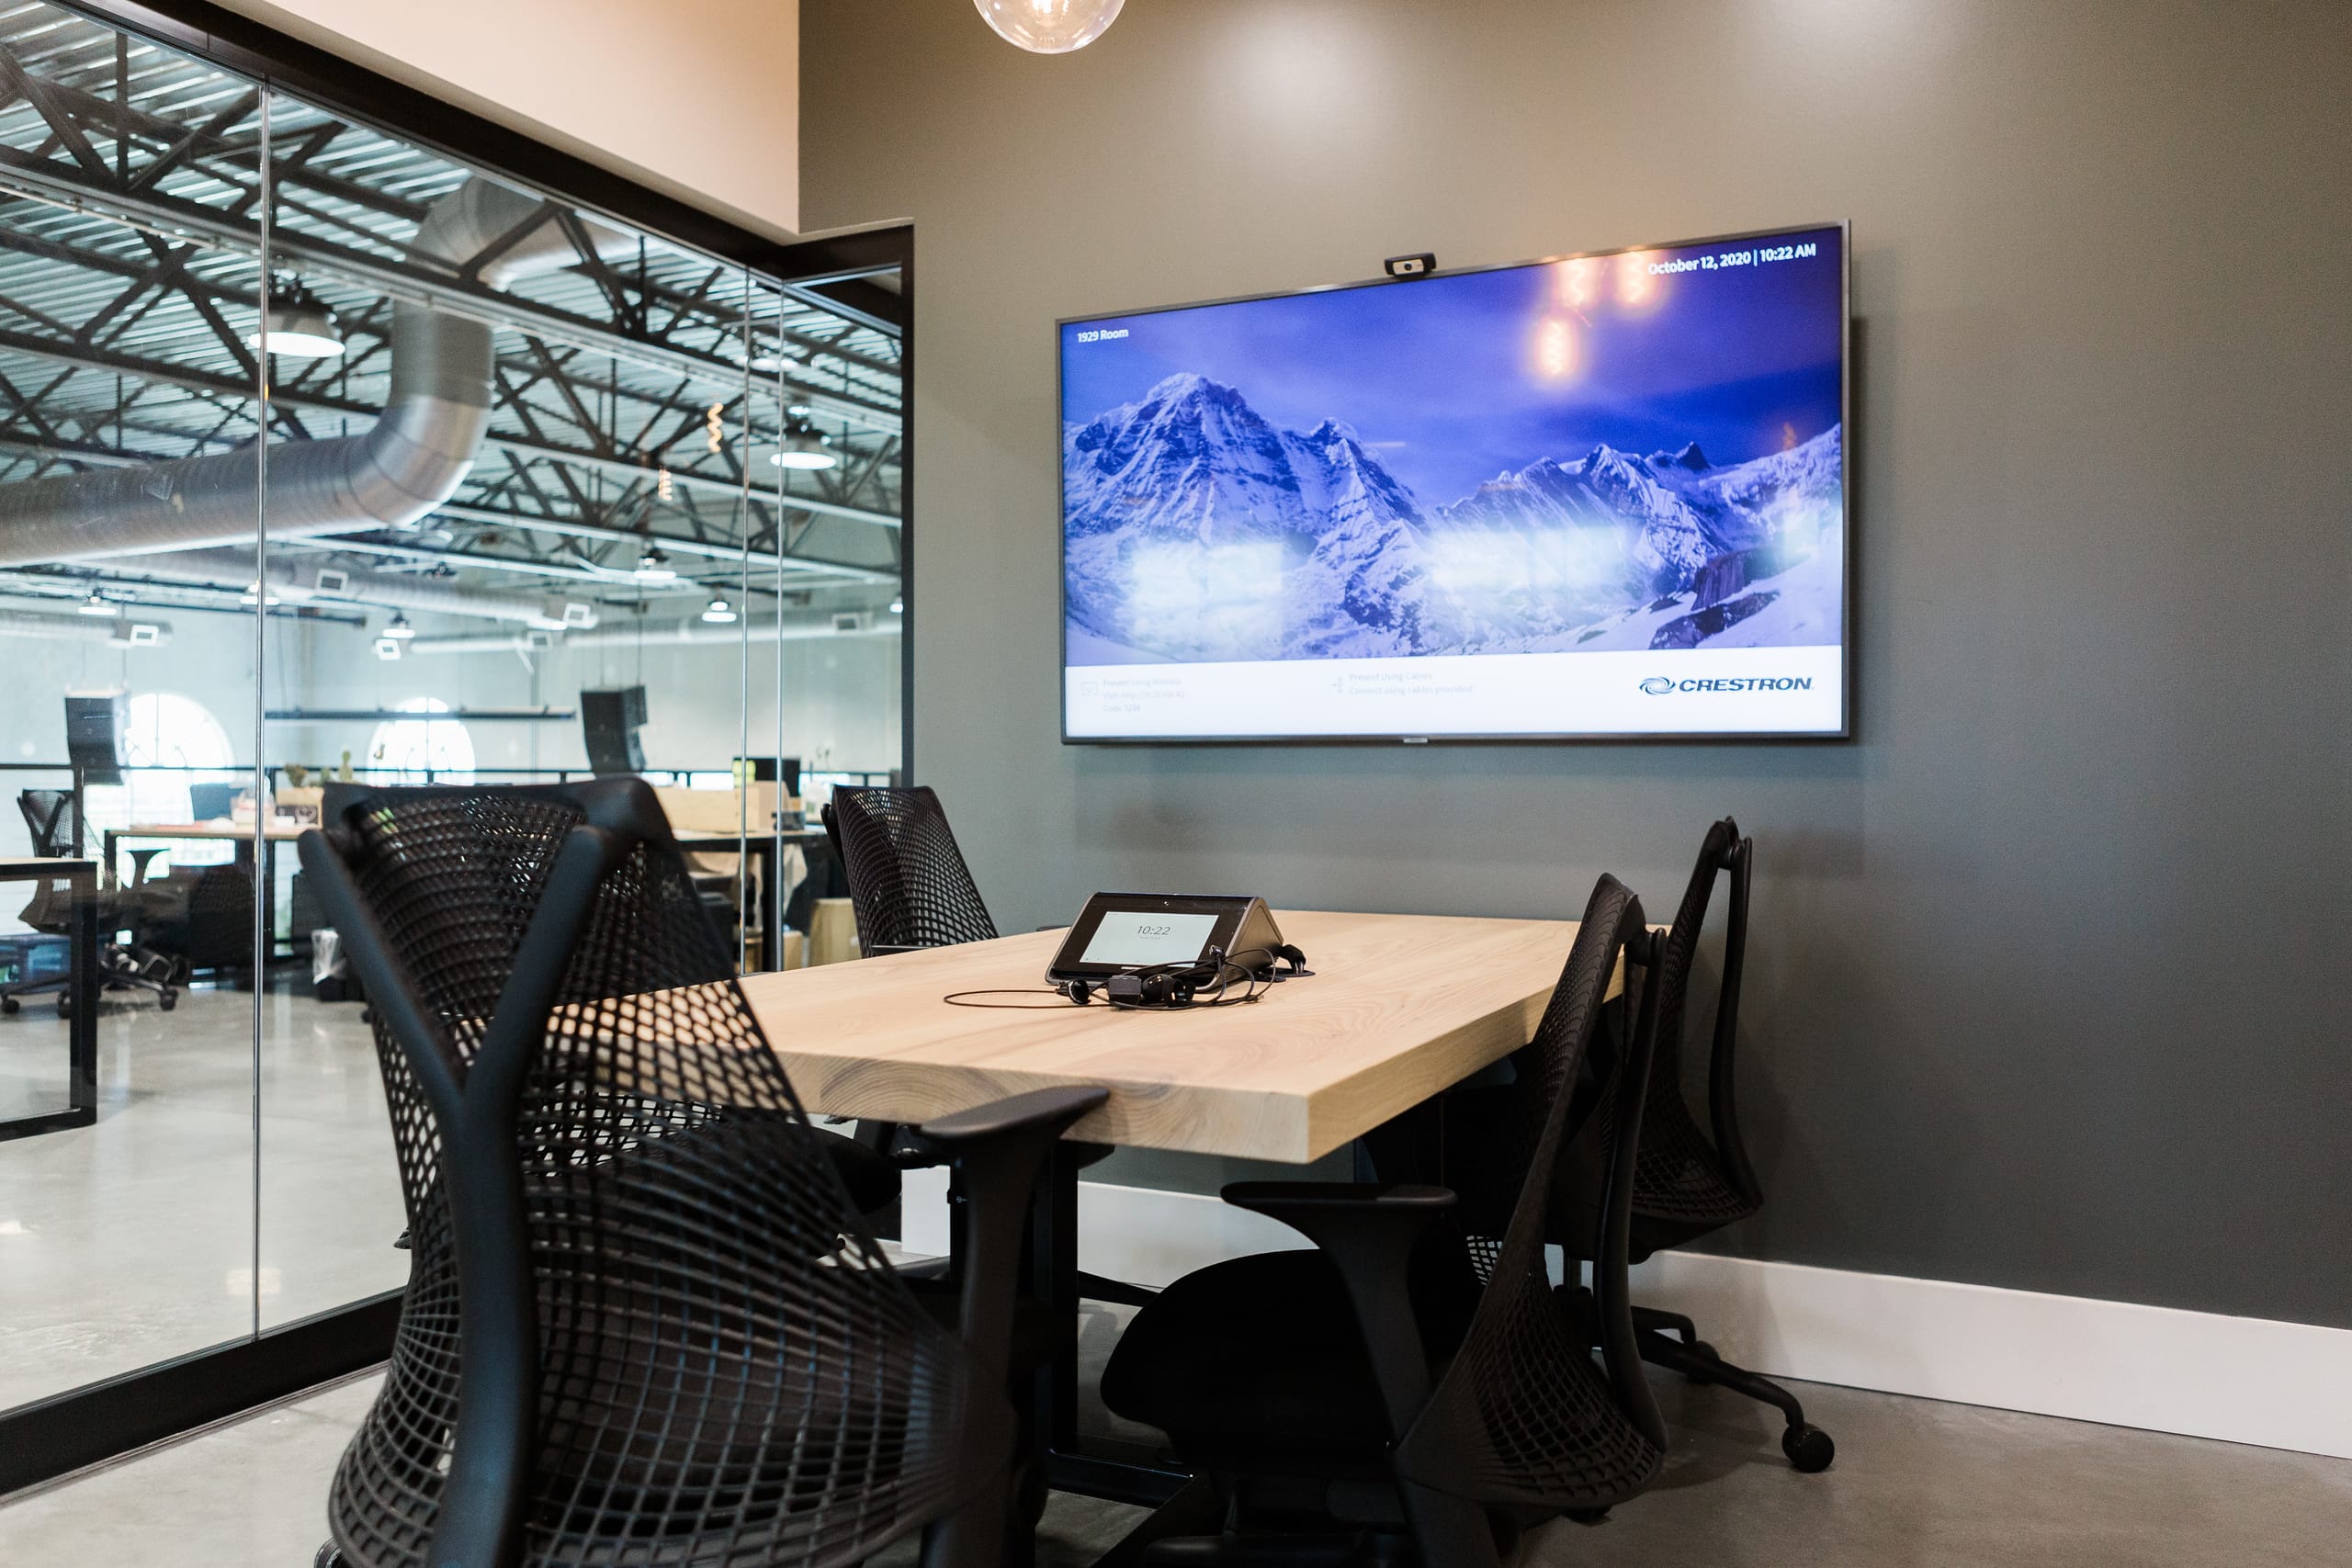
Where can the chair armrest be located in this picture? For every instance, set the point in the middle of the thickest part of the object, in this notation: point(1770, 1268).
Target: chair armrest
point(1369, 1231)
point(996, 1153)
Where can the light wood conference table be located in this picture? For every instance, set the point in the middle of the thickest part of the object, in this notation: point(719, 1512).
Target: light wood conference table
point(1398, 1007)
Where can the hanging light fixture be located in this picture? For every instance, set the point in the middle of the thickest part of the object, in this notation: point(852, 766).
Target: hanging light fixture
point(95, 607)
point(898, 606)
point(654, 567)
point(719, 612)
point(1049, 26)
point(803, 447)
point(296, 325)
point(399, 630)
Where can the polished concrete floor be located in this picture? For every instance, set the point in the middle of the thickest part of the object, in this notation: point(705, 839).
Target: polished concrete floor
point(1917, 1485)
point(135, 1240)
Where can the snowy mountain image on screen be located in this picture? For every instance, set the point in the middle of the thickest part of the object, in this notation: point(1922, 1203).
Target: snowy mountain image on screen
point(1196, 530)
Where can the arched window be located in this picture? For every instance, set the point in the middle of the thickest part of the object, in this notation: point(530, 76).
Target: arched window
point(169, 742)
point(426, 749)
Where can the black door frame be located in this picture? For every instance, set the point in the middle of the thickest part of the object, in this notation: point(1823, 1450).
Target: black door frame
point(99, 1421)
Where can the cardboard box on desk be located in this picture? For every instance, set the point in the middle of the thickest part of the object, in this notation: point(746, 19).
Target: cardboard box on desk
point(302, 808)
point(722, 811)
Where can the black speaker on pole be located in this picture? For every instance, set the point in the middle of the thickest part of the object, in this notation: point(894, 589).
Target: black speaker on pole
point(609, 721)
point(94, 726)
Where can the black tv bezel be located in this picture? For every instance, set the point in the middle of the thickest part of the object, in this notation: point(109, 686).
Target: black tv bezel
point(1845, 730)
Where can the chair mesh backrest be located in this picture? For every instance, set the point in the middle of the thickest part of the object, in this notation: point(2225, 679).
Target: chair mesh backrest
point(729, 1373)
point(1679, 1174)
point(1523, 1413)
point(49, 820)
point(907, 878)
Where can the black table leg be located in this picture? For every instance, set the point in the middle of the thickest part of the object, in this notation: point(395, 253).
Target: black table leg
point(81, 1029)
point(772, 914)
point(267, 893)
point(1053, 1278)
point(1121, 1473)
point(771, 906)
point(260, 865)
point(82, 1020)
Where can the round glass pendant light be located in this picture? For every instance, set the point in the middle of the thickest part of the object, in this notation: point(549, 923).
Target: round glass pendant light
point(1049, 26)
point(296, 325)
point(803, 447)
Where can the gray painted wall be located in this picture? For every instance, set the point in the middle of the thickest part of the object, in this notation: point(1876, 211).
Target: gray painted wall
point(2046, 984)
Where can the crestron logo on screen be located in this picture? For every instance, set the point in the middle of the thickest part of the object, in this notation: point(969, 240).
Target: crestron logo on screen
point(1659, 685)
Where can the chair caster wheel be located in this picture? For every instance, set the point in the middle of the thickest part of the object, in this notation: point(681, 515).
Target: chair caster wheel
point(167, 1000)
point(64, 1007)
point(1588, 1516)
point(9, 1004)
point(1808, 1447)
point(330, 1556)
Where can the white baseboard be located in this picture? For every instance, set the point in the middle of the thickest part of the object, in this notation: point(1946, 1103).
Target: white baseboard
point(2246, 1379)
point(2281, 1385)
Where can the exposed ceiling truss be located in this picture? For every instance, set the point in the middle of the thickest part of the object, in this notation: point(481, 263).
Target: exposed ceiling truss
point(636, 398)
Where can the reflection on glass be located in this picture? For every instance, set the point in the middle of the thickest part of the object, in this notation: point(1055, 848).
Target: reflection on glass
point(488, 414)
point(130, 258)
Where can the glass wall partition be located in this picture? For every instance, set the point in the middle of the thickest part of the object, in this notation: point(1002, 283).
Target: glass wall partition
point(131, 273)
point(543, 495)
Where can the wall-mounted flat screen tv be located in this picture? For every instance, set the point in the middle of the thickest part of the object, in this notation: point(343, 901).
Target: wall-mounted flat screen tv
point(1595, 497)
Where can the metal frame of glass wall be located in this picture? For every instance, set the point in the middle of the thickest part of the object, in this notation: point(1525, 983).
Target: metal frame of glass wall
point(616, 512)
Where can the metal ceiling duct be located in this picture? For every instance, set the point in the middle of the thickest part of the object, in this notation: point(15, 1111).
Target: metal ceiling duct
point(125, 631)
point(688, 635)
point(299, 583)
point(411, 461)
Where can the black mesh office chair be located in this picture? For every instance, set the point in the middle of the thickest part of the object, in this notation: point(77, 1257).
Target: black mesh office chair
point(54, 827)
point(871, 1176)
point(52, 823)
point(644, 1324)
point(911, 888)
point(1415, 1376)
point(1686, 1183)
point(907, 877)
